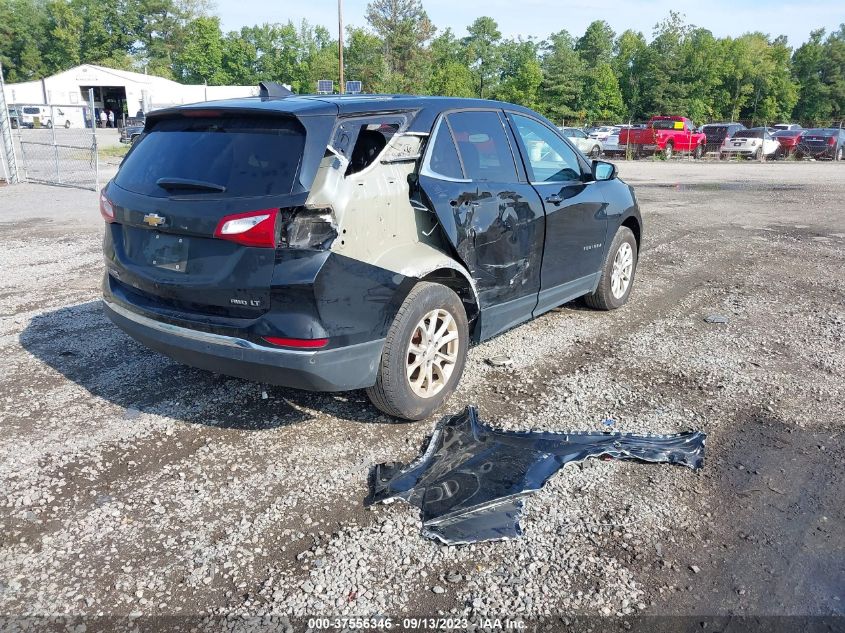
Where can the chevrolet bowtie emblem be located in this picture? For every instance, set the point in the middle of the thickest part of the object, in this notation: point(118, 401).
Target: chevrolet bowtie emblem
point(153, 219)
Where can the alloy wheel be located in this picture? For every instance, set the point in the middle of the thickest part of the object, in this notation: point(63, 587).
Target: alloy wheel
point(623, 268)
point(432, 353)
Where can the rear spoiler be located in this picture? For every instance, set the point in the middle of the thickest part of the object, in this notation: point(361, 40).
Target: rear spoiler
point(273, 90)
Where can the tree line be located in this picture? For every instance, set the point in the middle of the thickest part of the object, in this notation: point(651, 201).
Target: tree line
point(597, 76)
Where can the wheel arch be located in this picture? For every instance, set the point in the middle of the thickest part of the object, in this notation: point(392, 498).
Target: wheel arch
point(462, 285)
point(633, 223)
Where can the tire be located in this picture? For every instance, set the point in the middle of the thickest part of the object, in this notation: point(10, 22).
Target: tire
point(699, 152)
point(67, 125)
point(669, 150)
point(49, 125)
point(838, 155)
point(758, 154)
point(134, 139)
point(604, 297)
point(595, 152)
point(393, 393)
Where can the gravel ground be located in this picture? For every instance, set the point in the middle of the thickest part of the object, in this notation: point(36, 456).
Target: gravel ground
point(133, 485)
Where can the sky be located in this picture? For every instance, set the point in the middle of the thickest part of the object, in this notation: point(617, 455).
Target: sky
point(539, 18)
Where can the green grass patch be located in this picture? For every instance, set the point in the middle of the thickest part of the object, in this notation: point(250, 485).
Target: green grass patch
point(112, 152)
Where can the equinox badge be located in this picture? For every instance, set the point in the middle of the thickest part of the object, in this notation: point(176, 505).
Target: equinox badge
point(153, 219)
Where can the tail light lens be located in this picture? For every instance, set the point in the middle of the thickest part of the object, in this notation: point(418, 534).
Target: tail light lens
point(302, 343)
point(254, 228)
point(831, 141)
point(106, 208)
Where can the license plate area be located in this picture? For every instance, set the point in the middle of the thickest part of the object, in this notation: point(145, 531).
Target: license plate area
point(167, 251)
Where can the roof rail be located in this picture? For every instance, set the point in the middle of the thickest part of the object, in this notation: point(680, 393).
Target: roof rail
point(273, 90)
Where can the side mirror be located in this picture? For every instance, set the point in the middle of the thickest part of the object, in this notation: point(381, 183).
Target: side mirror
point(602, 170)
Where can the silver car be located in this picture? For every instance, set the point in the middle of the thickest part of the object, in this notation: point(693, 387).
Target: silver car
point(602, 133)
point(590, 146)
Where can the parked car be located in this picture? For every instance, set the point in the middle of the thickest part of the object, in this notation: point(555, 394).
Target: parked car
point(754, 142)
point(611, 145)
point(789, 127)
point(788, 140)
point(603, 132)
point(132, 131)
point(821, 143)
point(590, 146)
point(666, 134)
point(716, 133)
point(340, 243)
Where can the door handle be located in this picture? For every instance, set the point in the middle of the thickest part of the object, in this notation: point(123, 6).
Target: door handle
point(554, 199)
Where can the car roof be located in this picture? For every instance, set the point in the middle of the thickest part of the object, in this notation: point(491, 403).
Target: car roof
point(427, 108)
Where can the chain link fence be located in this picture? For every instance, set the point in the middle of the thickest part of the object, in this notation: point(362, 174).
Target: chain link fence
point(56, 144)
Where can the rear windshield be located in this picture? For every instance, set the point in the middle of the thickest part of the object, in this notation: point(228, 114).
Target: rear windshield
point(748, 134)
point(667, 124)
point(32, 110)
point(715, 129)
point(821, 132)
point(244, 156)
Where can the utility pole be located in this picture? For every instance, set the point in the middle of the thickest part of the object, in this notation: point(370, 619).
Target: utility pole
point(342, 86)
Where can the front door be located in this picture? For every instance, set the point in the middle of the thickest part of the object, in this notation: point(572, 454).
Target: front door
point(576, 218)
point(491, 215)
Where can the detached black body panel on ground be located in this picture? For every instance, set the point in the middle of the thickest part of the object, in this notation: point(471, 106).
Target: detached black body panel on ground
point(470, 480)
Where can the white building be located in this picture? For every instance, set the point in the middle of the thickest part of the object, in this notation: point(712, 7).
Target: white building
point(121, 91)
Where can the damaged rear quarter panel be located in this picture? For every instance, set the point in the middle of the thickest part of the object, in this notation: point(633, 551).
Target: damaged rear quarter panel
point(384, 244)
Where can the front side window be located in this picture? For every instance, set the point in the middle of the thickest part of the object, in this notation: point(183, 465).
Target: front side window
point(483, 146)
point(550, 158)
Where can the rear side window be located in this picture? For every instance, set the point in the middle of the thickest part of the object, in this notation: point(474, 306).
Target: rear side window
point(483, 146)
point(244, 156)
point(444, 159)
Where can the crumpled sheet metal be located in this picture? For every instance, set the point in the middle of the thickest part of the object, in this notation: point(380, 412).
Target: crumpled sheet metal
point(470, 480)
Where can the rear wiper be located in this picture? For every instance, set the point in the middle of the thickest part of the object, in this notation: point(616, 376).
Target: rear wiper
point(188, 183)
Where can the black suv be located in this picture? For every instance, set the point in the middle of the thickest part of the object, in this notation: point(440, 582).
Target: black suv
point(716, 133)
point(333, 243)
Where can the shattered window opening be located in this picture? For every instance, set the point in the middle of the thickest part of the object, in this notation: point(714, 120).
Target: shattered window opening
point(470, 480)
point(371, 141)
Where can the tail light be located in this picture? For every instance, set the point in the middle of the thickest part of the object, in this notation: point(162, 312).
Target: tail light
point(302, 343)
point(307, 228)
point(295, 227)
point(254, 228)
point(831, 141)
point(106, 208)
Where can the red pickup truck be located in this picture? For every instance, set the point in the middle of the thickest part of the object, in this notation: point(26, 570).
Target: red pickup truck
point(667, 134)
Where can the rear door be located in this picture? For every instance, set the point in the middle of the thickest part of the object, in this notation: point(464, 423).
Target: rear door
point(173, 195)
point(490, 213)
point(576, 220)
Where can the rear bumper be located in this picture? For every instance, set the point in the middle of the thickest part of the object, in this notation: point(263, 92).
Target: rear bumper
point(339, 369)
